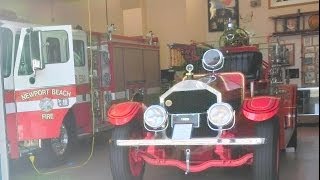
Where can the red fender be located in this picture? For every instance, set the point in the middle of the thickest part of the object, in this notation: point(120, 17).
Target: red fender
point(123, 113)
point(260, 108)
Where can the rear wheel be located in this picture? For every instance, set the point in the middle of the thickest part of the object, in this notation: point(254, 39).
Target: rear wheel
point(266, 156)
point(55, 151)
point(125, 164)
point(293, 143)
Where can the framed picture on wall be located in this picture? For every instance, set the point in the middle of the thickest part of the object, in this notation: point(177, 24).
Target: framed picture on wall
point(308, 58)
point(309, 77)
point(292, 24)
point(315, 40)
point(309, 49)
point(220, 11)
point(307, 41)
point(285, 3)
point(280, 24)
point(292, 73)
point(290, 51)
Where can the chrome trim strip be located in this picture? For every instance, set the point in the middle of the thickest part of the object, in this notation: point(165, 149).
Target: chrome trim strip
point(198, 120)
point(190, 85)
point(192, 142)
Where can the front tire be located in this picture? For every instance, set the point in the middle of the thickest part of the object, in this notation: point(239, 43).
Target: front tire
point(55, 151)
point(266, 156)
point(125, 164)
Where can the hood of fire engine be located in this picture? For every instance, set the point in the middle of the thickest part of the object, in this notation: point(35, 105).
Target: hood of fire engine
point(196, 96)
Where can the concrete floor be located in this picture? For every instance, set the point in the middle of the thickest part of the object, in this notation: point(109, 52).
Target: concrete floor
point(300, 165)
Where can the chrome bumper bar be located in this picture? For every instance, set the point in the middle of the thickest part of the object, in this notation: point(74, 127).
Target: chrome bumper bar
point(192, 142)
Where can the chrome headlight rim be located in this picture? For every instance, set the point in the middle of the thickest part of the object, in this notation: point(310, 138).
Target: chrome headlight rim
point(207, 56)
point(229, 110)
point(159, 124)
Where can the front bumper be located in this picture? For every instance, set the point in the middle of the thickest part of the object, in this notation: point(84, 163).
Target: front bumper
point(192, 142)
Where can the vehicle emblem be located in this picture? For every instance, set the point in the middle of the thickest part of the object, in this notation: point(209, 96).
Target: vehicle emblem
point(168, 103)
point(46, 104)
point(63, 102)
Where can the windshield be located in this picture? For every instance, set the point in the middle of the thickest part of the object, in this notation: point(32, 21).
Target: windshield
point(6, 50)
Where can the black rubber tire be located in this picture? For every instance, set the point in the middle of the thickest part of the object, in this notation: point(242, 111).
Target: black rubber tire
point(293, 142)
point(266, 156)
point(47, 157)
point(119, 155)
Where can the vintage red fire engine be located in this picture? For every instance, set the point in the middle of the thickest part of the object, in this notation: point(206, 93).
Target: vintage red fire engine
point(226, 117)
point(55, 92)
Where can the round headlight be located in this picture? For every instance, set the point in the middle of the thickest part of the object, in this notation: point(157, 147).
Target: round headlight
point(220, 114)
point(155, 116)
point(212, 60)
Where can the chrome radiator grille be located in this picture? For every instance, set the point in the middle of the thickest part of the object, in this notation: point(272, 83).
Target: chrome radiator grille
point(196, 101)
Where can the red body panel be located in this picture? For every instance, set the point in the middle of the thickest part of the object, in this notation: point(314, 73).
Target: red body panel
point(82, 114)
point(32, 126)
point(123, 113)
point(28, 119)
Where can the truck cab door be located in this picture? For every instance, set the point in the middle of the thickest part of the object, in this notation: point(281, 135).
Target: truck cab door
point(44, 80)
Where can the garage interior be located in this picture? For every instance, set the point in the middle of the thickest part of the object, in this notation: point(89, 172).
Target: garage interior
point(172, 27)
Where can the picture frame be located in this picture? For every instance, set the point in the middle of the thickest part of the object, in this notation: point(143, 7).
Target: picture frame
point(309, 77)
point(220, 11)
point(315, 40)
point(306, 22)
point(308, 58)
point(309, 49)
point(292, 73)
point(307, 41)
point(285, 3)
point(292, 24)
point(280, 24)
point(291, 52)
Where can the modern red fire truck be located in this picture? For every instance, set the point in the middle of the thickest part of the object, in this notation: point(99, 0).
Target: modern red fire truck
point(58, 88)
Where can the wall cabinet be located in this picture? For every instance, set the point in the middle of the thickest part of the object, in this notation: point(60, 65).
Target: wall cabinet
point(305, 26)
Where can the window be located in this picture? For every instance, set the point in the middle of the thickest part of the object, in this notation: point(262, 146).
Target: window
point(79, 53)
point(6, 44)
point(53, 50)
point(54, 47)
point(25, 67)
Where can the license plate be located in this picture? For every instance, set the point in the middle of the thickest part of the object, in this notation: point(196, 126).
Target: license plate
point(193, 119)
point(182, 131)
